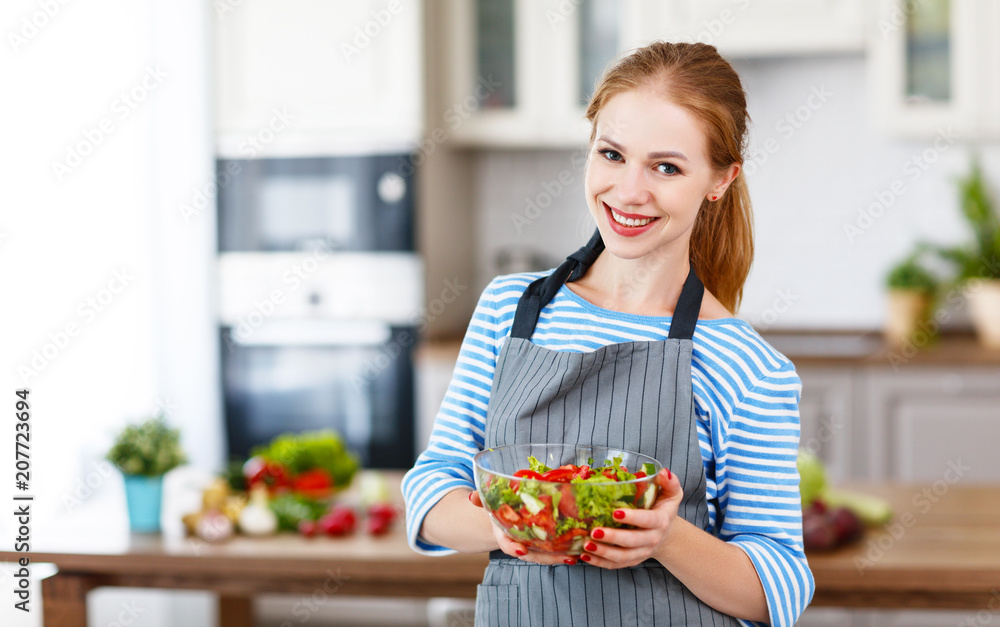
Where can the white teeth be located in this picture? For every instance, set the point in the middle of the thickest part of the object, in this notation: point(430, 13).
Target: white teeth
point(629, 221)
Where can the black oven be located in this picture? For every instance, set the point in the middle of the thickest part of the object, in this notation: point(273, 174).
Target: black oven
point(354, 377)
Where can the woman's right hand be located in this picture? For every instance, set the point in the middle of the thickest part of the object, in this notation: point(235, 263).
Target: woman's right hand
point(518, 550)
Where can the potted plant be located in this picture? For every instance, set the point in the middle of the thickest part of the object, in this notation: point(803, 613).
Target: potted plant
point(144, 452)
point(978, 263)
point(911, 297)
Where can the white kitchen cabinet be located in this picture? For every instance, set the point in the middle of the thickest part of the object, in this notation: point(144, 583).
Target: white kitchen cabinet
point(761, 28)
point(930, 423)
point(826, 415)
point(520, 71)
point(300, 77)
point(934, 68)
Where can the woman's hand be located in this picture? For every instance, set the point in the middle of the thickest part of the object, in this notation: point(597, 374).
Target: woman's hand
point(620, 548)
point(518, 550)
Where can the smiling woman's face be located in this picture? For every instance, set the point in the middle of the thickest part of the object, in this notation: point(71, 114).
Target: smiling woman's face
point(647, 174)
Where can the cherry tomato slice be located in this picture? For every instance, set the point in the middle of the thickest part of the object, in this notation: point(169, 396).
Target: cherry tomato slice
point(562, 475)
point(527, 474)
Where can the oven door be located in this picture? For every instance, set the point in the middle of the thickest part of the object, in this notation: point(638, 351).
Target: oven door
point(306, 375)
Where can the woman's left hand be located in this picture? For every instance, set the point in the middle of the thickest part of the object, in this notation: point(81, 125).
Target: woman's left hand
point(620, 548)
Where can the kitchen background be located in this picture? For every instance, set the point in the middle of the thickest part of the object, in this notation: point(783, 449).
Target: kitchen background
point(865, 114)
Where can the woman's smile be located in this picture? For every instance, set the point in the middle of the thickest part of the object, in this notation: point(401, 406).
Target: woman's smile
point(627, 224)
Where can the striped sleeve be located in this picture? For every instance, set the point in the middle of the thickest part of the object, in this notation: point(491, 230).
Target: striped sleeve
point(758, 490)
point(459, 426)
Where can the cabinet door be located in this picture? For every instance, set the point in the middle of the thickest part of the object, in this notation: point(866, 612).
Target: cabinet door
point(826, 413)
point(304, 77)
point(927, 424)
point(748, 28)
point(928, 67)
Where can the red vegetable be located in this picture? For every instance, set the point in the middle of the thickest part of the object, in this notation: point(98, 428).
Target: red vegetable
point(339, 521)
point(567, 502)
point(315, 483)
point(562, 475)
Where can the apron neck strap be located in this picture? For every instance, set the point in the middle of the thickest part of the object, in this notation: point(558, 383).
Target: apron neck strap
point(541, 291)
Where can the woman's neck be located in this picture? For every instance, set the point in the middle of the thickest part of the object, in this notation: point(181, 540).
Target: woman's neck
point(649, 285)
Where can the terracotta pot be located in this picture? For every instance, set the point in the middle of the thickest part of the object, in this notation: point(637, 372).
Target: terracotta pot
point(906, 309)
point(984, 308)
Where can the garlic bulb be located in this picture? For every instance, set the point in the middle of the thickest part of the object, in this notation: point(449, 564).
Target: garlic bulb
point(257, 519)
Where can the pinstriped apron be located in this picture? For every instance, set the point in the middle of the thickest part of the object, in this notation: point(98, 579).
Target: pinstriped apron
point(635, 396)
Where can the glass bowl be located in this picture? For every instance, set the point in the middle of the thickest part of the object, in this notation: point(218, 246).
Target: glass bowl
point(556, 513)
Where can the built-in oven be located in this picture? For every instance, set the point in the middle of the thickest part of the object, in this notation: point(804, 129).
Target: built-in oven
point(320, 294)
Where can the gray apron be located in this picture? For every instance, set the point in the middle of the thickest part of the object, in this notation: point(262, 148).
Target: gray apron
point(635, 396)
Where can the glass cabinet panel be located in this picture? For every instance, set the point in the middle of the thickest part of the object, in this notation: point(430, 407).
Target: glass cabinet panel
point(928, 52)
point(495, 51)
point(599, 41)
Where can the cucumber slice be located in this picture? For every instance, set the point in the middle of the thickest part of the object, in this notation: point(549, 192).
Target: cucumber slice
point(649, 469)
point(533, 504)
point(649, 497)
point(539, 532)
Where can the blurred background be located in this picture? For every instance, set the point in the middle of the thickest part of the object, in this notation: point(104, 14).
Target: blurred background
point(258, 216)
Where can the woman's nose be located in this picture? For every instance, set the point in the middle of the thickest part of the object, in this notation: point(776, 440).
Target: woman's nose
point(633, 188)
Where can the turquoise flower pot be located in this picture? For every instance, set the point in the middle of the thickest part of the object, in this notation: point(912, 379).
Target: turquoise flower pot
point(143, 495)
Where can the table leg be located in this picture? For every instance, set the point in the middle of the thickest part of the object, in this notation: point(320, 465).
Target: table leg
point(235, 611)
point(64, 600)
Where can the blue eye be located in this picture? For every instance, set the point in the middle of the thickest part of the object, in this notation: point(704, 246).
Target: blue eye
point(667, 168)
point(610, 155)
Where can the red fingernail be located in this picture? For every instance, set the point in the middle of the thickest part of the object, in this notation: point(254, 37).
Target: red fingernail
point(590, 546)
point(668, 474)
point(470, 495)
point(570, 561)
point(598, 534)
point(619, 514)
point(585, 558)
point(520, 552)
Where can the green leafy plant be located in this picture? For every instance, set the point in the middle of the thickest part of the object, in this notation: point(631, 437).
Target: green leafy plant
point(909, 274)
point(149, 448)
point(300, 452)
point(980, 258)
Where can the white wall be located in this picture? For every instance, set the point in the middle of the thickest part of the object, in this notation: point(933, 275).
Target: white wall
point(124, 85)
point(817, 175)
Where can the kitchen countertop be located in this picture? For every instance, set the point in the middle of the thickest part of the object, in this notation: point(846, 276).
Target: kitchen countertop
point(834, 348)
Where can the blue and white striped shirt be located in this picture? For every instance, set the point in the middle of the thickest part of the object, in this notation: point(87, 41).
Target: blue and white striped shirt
point(746, 398)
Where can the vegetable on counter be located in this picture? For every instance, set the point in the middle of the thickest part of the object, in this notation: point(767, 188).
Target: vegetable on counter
point(299, 453)
point(831, 516)
point(257, 519)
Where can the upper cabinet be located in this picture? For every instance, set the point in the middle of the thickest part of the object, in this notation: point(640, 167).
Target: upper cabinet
point(761, 28)
point(520, 71)
point(300, 77)
point(934, 68)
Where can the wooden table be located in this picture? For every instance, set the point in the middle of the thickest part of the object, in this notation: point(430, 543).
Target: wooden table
point(941, 550)
point(943, 554)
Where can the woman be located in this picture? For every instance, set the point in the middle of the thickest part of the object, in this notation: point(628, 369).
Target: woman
point(646, 305)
